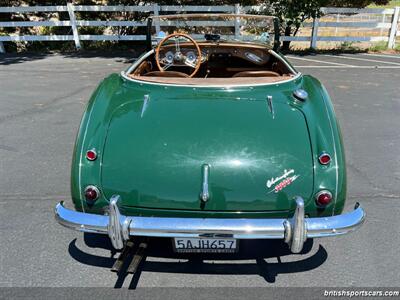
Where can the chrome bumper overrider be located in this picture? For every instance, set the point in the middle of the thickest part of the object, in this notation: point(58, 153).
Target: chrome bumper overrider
point(294, 231)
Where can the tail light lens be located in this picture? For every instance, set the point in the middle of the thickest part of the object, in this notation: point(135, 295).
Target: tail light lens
point(323, 198)
point(92, 193)
point(91, 154)
point(324, 159)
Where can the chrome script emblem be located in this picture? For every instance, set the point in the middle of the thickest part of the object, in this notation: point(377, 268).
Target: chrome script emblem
point(280, 182)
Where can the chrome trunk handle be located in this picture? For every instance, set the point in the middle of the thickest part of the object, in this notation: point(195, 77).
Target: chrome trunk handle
point(205, 194)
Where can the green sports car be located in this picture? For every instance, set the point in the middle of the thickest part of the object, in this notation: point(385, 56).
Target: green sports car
point(210, 137)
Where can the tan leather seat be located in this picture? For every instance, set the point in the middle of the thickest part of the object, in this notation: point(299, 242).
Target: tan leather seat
point(166, 74)
point(257, 74)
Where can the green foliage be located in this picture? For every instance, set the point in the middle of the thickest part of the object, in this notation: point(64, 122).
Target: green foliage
point(379, 46)
point(349, 47)
point(356, 3)
point(293, 13)
point(391, 4)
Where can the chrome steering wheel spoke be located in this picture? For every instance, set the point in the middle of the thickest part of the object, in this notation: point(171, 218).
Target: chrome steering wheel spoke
point(190, 63)
point(167, 65)
point(177, 45)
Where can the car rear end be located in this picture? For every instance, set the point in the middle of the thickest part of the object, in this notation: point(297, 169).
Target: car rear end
point(209, 166)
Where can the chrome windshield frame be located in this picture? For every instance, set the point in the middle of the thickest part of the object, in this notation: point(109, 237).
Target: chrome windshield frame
point(149, 44)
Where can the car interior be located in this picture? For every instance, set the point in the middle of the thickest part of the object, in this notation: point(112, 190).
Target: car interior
point(210, 63)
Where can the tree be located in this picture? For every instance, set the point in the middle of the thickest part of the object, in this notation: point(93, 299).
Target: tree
point(292, 13)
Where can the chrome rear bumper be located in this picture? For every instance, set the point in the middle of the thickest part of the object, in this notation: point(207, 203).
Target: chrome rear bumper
point(294, 231)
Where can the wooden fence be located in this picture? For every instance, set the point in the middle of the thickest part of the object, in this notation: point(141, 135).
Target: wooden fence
point(391, 26)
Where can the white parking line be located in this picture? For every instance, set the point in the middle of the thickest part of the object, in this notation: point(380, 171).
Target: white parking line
point(362, 59)
point(381, 55)
point(319, 61)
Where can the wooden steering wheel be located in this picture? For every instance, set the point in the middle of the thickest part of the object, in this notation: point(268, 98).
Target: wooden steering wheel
point(178, 58)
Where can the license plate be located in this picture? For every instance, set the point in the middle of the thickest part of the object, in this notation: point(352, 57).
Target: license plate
point(205, 245)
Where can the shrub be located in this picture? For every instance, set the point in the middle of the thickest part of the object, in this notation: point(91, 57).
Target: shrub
point(349, 47)
point(378, 47)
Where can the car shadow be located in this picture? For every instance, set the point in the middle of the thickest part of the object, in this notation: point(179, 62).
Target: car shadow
point(118, 56)
point(205, 263)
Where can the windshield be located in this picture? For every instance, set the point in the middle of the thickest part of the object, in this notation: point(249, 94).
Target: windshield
point(216, 27)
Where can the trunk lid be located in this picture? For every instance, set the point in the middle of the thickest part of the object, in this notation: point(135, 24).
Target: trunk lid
point(259, 160)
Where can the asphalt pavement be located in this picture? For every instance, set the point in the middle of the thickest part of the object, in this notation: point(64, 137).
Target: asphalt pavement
point(42, 99)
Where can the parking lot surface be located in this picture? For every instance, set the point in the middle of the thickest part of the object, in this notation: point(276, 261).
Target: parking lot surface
point(42, 99)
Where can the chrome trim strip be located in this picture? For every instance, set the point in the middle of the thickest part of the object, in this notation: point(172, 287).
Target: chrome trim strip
point(300, 227)
point(205, 194)
point(335, 153)
point(81, 154)
point(271, 106)
point(123, 74)
point(146, 99)
point(138, 62)
point(283, 61)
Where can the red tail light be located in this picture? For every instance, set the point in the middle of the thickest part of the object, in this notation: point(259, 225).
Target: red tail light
point(92, 193)
point(323, 198)
point(324, 159)
point(91, 154)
